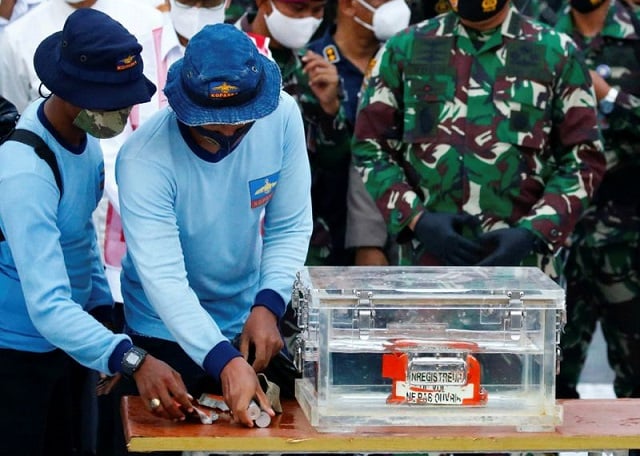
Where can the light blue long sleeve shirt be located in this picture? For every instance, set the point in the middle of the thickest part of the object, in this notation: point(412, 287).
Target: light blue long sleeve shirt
point(51, 274)
point(209, 238)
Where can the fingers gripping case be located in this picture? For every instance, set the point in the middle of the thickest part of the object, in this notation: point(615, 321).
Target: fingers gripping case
point(428, 346)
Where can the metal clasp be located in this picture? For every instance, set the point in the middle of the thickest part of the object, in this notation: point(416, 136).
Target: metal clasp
point(364, 315)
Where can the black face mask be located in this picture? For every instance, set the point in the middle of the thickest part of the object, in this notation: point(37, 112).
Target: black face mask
point(585, 6)
point(226, 143)
point(477, 10)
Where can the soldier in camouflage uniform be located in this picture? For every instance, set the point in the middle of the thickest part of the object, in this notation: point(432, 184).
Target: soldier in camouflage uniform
point(477, 136)
point(366, 230)
point(603, 269)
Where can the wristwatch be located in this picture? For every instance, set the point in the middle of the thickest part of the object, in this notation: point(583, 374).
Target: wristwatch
point(132, 360)
point(607, 104)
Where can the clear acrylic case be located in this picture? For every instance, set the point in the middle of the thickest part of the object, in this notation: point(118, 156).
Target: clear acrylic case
point(428, 346)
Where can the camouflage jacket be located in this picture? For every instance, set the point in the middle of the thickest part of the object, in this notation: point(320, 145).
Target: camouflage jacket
point(615, 53)
point(501, 125)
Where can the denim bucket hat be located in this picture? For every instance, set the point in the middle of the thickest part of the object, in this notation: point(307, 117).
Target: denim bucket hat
point(222, 79)
point(93, 63)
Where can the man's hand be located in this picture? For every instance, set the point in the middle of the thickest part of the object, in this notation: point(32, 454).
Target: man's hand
point(323, 80)
point(156, 380)
point(440, 233)
point(508, 246)
point(240, 386)
point(261, 331)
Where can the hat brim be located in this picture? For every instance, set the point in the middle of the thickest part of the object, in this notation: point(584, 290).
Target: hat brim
point(86, 94)
point(193, 114)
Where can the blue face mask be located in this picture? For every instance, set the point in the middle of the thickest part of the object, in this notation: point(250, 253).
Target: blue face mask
point(226, 144)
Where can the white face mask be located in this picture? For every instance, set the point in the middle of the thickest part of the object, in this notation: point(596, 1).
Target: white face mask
point(189, 20)
point(291, 32)
point(388, 19)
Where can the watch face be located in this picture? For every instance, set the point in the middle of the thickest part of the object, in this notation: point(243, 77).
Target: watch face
point(133, 358)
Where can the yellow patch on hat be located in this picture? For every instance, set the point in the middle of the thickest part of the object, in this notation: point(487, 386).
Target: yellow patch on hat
point(330, 53)
point(224, 90)
point(126, 63)
point(489, 5)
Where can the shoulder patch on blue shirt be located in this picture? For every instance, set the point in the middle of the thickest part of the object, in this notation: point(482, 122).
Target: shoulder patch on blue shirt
point(261, 190)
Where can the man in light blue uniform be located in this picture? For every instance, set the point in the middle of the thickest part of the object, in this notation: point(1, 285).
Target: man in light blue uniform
point(53, 291)
point(215, 203)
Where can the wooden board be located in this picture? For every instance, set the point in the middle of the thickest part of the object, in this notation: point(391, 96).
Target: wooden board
point(589, 424)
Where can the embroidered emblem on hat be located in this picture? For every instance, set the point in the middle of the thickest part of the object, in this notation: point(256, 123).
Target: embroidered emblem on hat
point(330, 53)
point(224, 90)
point(489, 5)
point(261, 190)
point(126, 63)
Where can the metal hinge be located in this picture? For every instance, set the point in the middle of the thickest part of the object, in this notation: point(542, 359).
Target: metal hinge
point(364, 314)
point(300, 302)
point(516, 313)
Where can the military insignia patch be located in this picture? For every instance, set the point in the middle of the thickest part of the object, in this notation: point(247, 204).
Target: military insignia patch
point(261, 190)
point(331, 54)
point(126, 63)
point(489, 5)
point(224, 90)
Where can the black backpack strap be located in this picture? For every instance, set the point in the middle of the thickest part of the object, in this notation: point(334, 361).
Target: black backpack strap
point(42, 150)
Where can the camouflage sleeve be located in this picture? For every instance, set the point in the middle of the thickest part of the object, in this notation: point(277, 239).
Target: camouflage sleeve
point(578, 163)
point(377, 145)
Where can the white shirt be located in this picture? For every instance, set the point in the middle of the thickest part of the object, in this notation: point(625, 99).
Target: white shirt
point(19, 9)
point(18, 80)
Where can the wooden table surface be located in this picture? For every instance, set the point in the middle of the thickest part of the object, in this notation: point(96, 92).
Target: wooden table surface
point(589, 424)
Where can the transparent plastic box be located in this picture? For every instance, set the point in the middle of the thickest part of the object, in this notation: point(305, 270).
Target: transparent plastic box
point(428, 346)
